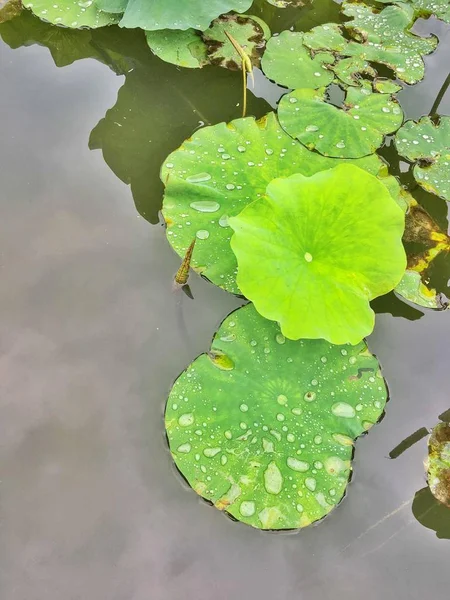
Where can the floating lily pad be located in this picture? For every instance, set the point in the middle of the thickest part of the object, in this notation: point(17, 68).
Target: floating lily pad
point(412, 288)
point(173, 14)
point(386, 38)
point(220, 170)
point(270, 438)
point(315, 250)
point(289, 63)
point(249, 34)
point(325, 37)
point(426, 8)
point(439, 463)
point(425, 241)
point(182, 48)
point(386, 86)
point(428, 144)
point(71, 13)
point(352, 132)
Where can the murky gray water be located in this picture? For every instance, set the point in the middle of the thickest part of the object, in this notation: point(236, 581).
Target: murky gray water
point(91, 338)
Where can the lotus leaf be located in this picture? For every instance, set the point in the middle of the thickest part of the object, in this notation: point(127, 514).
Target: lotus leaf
point(439, 463)
point(413, 289)
point(71, 13)
point(173, 14)
point(220, 170)
point(386, 38)
point(269, 439)
point(247, 31)
point(425, 8)
point(325, 37)
point(289, 63)
point(312, 254)
point(428, 143)
point(183, 48)
point(352, 132)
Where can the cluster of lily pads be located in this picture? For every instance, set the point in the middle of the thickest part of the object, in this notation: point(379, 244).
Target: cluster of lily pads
point(297, 213)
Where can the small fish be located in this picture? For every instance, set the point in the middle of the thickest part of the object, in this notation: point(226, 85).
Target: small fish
point(182, 276)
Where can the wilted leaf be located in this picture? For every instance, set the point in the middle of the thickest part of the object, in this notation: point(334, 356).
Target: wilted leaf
point(439, 463)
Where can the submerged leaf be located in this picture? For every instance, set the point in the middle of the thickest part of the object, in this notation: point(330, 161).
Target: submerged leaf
point(270, 441)
point(315, 251)
point(218, 172)
point(289, 63)
point(428, 145)
point(439, 463)
point(352, 132)
point(71, 13)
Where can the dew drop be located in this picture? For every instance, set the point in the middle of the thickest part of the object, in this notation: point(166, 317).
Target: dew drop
point(308, 257)
point(310, 396)
point(311, 483)
point(205, 206)
point(186, 420)
point(340, 144)
point(297, 465)
point(184, 448)
point(247, 508)
point(199, 178)
point(243, 407)
point(202, 234)
point(311, 128)
point(282, 399)
point(280, 338)
point(223, 221)
point(273, 479)
point(342, 409)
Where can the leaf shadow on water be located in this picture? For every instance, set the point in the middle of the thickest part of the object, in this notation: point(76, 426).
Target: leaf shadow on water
point(158, 106)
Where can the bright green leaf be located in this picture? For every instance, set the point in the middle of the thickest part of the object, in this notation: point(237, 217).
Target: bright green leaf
point(218, 172)
point(176, 14)
point(71, 13)
point(325, 37)
point(315, 250)
point(352, 132)
point(289, 63)
point(271, 440)
point(412, 288)
point(428, 143)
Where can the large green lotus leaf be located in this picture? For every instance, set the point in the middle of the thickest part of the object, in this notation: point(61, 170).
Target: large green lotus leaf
point(184, 48)
point(428, 143)
point(289, 63)
point(263, 427)
point(349, 70)
point(220, 170)
point(176, 14)
point(250, 33)
point(352, 132)
point(386, 38)
point(315, 250)
point(439, 463)
point(71, 13)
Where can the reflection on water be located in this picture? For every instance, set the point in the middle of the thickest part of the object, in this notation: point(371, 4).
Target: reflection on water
point(431, 513)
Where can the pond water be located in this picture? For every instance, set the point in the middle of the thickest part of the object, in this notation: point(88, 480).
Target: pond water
point(92, 338)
